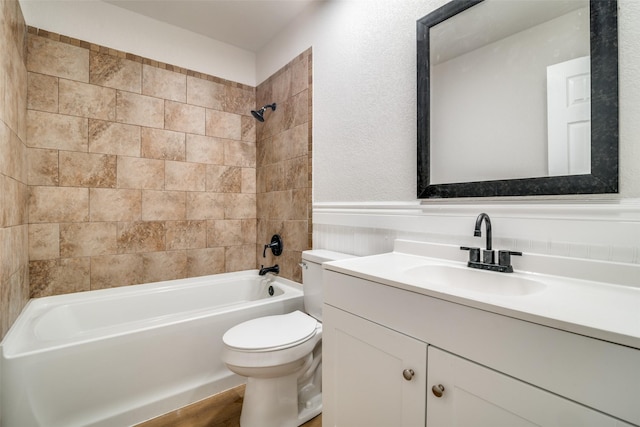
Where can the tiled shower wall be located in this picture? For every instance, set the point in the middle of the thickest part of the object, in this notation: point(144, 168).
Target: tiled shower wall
point(117, 170)
point(14, 273)
point(284, 164)
point(138, 171)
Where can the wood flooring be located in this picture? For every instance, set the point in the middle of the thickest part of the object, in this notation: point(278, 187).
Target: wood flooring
point(221, 410)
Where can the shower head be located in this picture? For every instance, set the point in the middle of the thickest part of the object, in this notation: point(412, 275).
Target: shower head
point(259, 114)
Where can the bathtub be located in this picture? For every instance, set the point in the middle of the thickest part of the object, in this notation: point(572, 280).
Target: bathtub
point(120, 356)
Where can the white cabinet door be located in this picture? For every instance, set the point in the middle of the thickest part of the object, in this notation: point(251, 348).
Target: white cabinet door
point(476, 396)
point(364, 368)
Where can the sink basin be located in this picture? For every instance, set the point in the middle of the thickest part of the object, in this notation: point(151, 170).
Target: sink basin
point(469, 279)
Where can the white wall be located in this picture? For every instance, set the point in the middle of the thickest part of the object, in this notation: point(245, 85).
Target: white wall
point(108, 25)
point(365, 96)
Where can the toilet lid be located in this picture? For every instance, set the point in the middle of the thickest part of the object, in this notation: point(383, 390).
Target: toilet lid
point(271, 332)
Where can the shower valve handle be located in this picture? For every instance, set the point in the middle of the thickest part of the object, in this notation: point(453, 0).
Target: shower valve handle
point(275, 246)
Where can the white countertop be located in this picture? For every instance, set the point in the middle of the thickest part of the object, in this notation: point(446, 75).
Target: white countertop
point(607, 310)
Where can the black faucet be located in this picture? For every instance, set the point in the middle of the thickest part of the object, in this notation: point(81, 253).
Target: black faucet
point(264, 270)
point(488, 257)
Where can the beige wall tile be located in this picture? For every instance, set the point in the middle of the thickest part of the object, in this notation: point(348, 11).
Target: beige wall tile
point(295, 234)
point(184, 117)
point(202, 262)
point(289, 265)
point(164, 83)
point(134, 237)
point(14, 245)
point(249, 231)
point(110, 271)
point(14, 154)
point(58, 204)
point(88, 239)
point(5, 149)
point(271, 178)
point(115, 72)
point(295, 173)
point(140, 173)
point(140, 110)
point(202, 218)
point(115, 204)
point(205, 93)
point(43, 167)
point(59, 276)
point(44, 241)
point(87, 170)
point(248, 128)
point(114, 138)
point(291, 143)
point(205, 206)
point(300, 75)
point(15, 92)
point(223, 125)
point(162, 144)
point(15, 200)
point(239, 153)
point(281, 84)
point(239, 100)
point(15, 295)
point(57, 59)
point(184, 176)
point(238, 258)
point(159, 266)
point(47, 130)
point(248, 180)
point(14, 249)
point(301, 202)
point(299, 110)
point(163, 205)
point(205, 149)
point(42, 92)
point(239, 206)
point(86, 100)
point(224, 233)
point(224, 179)
point(186, 234)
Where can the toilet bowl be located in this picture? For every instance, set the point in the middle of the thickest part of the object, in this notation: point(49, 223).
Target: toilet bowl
point(281, 356)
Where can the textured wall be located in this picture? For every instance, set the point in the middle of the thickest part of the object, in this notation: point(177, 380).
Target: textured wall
point(284, 164)
point(138, 171)
point(14, 271)
point(365, 96)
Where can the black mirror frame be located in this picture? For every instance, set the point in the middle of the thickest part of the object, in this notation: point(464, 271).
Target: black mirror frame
point(604, 116)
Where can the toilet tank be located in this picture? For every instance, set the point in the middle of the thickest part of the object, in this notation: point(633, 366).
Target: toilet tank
point(312, 278)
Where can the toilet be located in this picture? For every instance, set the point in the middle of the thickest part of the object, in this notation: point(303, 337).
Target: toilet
point(281, 356)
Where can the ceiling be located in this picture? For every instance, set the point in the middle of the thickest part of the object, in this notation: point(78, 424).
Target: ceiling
point(247, 24)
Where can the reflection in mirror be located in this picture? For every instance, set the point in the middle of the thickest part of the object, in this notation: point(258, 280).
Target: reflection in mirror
point(505, 98)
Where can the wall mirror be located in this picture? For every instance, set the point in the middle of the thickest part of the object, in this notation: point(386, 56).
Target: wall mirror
point(518, 98)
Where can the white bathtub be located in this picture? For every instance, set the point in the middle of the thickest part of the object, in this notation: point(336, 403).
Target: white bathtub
point(117, 357)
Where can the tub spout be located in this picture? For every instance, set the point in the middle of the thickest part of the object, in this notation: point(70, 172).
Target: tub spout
point(264, 270)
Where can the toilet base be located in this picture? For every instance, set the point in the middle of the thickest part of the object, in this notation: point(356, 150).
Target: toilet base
point(273, 402)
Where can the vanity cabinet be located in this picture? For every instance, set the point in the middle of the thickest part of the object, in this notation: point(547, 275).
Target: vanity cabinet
point(467, 394)
point(495, 370)
point(377, 376)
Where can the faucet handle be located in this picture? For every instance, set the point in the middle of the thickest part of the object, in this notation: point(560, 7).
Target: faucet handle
point(488, 256)
point(504, 257)
point(474, 253)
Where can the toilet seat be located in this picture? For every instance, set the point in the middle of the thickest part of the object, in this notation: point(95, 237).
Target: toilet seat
point(271, 333)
